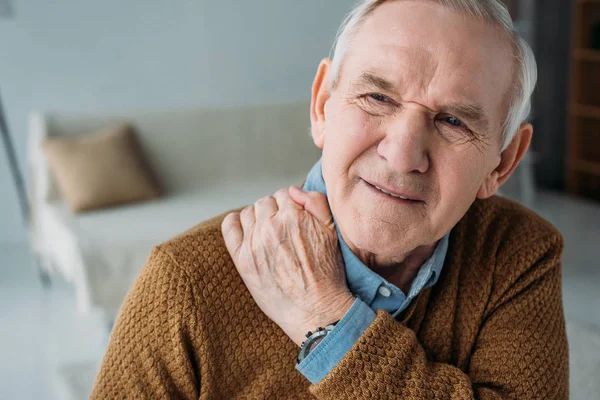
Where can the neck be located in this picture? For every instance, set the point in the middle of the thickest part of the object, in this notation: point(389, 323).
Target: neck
point(400, 270)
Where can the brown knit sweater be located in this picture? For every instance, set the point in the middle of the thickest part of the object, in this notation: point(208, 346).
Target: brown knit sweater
point(492, 327)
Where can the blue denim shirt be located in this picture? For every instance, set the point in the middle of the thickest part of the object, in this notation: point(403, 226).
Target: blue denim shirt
point(372, 292)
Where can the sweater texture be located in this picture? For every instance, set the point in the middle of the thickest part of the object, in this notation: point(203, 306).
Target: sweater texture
point(491, 328)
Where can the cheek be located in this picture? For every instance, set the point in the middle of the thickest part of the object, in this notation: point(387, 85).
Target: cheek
point(460, 178)
point(349, 133)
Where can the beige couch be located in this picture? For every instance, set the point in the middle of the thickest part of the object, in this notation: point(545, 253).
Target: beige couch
point(208, 160)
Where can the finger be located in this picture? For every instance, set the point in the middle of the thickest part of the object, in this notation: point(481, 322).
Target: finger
point(284, 201)
point(248, 219)
point(231, 227)
point(315, 203)
point(265, 208)
point(298, 195)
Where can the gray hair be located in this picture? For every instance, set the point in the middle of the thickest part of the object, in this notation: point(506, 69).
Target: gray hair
point(490, 11)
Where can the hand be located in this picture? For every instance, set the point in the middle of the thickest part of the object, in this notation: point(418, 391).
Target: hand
point(285, 248)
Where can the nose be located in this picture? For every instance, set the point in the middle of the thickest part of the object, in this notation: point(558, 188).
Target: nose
point(405, 145)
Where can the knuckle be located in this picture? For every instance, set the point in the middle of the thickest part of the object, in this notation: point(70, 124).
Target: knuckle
point(246, 211)
point(230, 221)
point(227, 220)
point(262, 200)
point(282, 192)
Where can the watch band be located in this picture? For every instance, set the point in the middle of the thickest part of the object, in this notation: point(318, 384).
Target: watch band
point(313, 339)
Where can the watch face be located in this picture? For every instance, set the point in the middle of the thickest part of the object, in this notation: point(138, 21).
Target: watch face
point(313, 339)
point(311, 343)
point(314, 344)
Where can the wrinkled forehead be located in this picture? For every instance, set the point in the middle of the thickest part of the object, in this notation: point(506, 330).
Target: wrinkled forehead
point(433, 54)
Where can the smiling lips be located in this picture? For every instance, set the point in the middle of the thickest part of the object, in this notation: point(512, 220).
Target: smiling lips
point(393, 193)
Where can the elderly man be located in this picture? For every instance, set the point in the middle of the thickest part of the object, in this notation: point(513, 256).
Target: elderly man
point(394, 272)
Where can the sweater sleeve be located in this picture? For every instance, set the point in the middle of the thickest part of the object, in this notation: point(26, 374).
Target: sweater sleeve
point(520, 352)
point(149, 353)
point(331, 350)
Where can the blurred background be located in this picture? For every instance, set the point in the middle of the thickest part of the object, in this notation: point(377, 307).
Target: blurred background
point(125, 123)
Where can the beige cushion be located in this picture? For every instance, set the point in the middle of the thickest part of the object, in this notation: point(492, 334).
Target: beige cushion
point(102, 169)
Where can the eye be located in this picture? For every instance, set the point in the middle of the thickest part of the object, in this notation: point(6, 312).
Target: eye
point(454, 129)
point(379, 97)
point(454, 122)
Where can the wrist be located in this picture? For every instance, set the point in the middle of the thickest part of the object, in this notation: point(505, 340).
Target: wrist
point(337, 309)
point(333, 312)
point(313, 339)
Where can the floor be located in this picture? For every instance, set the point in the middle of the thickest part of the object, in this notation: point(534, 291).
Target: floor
point(579, 223)
point(41, 332)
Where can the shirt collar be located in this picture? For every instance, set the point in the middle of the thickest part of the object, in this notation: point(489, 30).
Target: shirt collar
point(362, 281)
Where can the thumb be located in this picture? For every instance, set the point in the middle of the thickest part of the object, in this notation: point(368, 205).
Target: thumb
point(315, 203)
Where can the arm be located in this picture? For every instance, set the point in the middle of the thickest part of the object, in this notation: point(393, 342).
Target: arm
point(149, 354)
point(521, 351)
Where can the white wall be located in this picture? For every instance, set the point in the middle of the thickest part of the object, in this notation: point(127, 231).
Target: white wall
point(102, 56)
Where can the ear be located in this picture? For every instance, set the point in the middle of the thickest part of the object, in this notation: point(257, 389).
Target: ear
point(320, 95)
point(509, 160)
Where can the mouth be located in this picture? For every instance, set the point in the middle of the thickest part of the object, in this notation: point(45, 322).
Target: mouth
point(402, 197)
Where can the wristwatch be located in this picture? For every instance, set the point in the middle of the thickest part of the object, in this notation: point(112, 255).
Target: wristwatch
point(313, 339)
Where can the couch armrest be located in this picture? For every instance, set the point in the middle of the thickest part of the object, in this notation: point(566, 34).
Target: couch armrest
point(40, 186)
point(40, 183)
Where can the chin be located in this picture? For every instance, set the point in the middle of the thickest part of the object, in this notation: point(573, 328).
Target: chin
point(378, 238)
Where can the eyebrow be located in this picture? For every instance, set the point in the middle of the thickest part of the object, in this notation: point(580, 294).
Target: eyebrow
point(471, 113)
point(370, 79)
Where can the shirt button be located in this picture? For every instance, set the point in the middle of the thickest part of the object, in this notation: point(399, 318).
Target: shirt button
point(384, 291)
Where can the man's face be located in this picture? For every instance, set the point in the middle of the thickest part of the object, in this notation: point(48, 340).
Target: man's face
point(417, 111)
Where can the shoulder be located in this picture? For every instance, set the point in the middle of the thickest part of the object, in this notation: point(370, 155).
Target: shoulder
point(510, 236)
point(206, 234)
point(508, 225)
point(200, 253)
point(202, 242)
